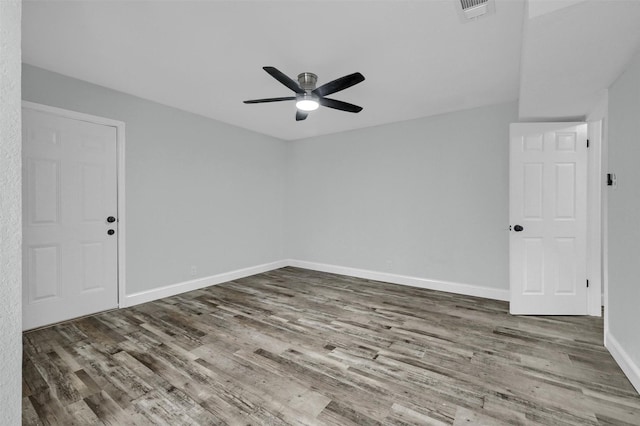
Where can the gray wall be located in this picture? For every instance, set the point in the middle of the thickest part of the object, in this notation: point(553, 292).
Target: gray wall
point(198, 191)
point(10, 216)
point(624, 211)
point(425, 198)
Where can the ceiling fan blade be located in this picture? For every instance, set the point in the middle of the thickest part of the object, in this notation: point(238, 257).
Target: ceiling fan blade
point(342, 106)
point(301, 115)
point(282, 78)
point(339, 84)
point(261, 101)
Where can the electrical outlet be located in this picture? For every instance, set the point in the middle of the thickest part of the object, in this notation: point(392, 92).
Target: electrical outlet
point(194, 270)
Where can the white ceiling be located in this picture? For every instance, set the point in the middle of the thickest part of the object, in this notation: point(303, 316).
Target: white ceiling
point(206, 57)
point(418, 58)
point(571, 56)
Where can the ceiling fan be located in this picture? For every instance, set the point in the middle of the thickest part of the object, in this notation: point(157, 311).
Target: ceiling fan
point(308, 97)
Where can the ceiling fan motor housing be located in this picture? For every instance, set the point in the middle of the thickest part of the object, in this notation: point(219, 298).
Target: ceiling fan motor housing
point(307, 81)
point(307, 101)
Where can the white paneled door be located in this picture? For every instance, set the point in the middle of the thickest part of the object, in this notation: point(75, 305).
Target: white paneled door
point(548, 218)
point(70, 229)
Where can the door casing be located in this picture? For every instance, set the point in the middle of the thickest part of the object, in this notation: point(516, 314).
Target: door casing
point(596, 182)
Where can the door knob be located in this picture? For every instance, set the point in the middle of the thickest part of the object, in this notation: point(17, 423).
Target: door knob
point(518, 228)
point(111, 219)
point(111, 232)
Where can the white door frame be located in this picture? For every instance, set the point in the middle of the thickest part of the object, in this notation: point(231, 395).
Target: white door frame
point(605, 230)
point(605, 224)
point(120, 150)
point(595, 182)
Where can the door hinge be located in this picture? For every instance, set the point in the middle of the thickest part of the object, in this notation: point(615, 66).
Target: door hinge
point(587, 283)
point(587, 143)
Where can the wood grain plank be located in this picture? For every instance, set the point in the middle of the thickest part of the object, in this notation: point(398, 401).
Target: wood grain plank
point(301, 347)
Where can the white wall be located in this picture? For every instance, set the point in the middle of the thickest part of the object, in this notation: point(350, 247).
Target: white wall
point(623, 337)
point(425, 198)
point(198, 191)
point(10, 215)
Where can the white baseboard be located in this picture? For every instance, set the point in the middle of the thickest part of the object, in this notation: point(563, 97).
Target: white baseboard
point(448, 286)
point(173, 289)
point(628, 366)
point(451, 287)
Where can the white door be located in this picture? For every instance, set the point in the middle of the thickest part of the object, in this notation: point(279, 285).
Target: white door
point(69, 192)
point(548, 218)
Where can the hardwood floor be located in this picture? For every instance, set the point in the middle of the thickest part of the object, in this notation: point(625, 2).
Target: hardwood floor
point(299, 347)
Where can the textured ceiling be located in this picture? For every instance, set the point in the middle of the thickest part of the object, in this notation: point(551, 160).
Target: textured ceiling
point(206, 57)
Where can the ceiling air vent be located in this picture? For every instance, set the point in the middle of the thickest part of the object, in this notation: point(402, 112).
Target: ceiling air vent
point(470, 10)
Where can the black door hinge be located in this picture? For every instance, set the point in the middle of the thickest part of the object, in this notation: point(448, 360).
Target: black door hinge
point(587, 283)
point(587, 143)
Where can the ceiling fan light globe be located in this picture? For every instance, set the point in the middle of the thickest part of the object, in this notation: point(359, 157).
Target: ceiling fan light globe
point(307, 105)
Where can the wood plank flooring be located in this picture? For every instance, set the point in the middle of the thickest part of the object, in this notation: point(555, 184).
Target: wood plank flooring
point(307, 348)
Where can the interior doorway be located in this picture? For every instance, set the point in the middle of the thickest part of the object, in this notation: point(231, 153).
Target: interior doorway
point(73, 221)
